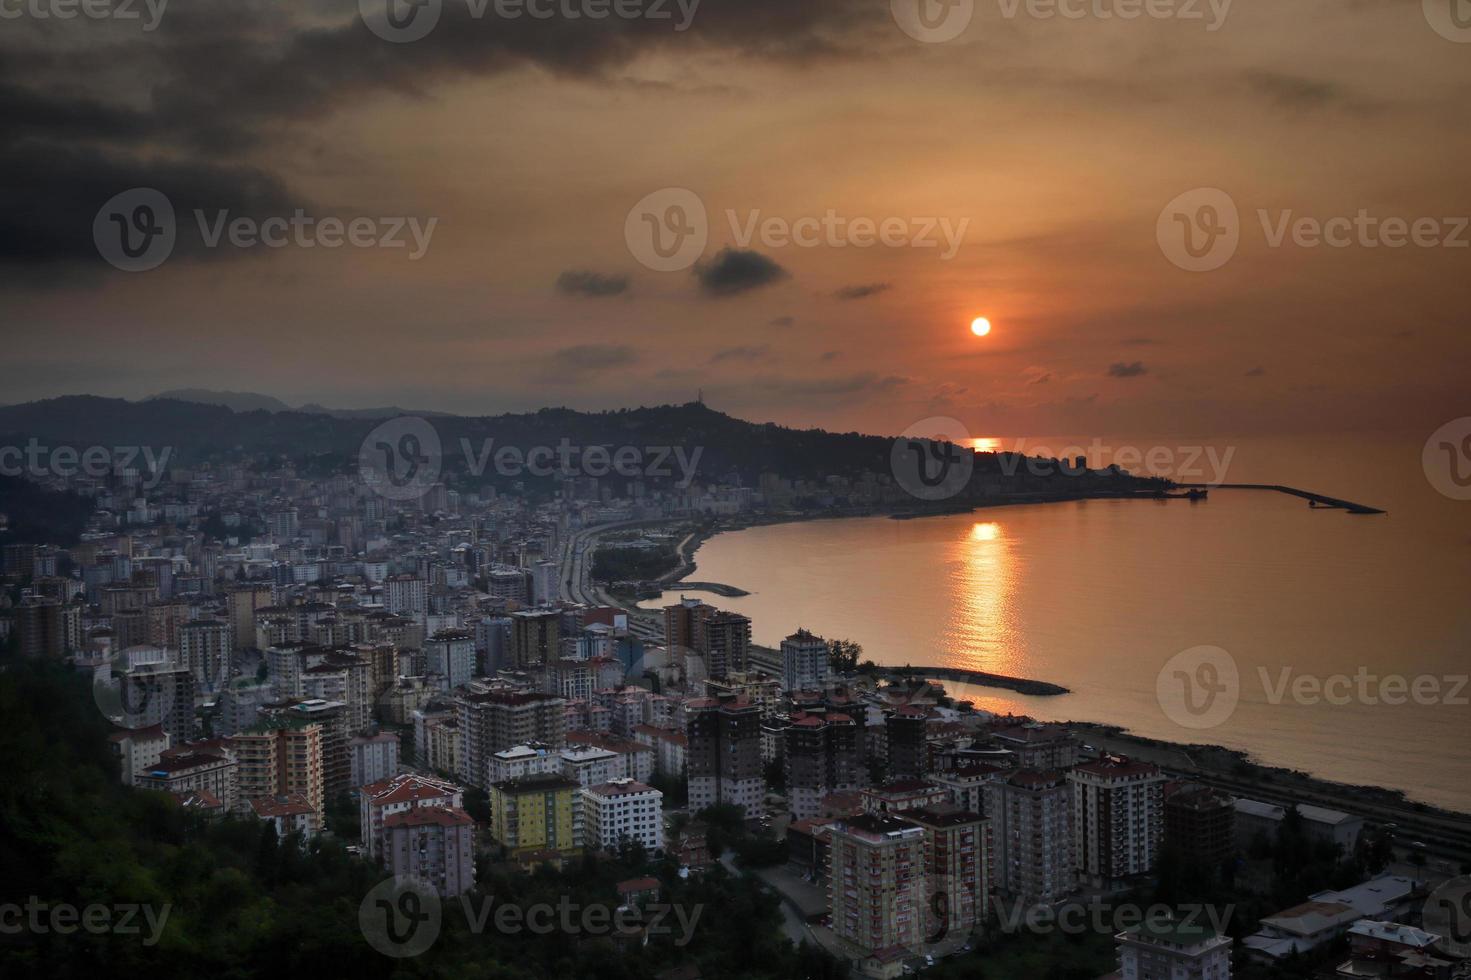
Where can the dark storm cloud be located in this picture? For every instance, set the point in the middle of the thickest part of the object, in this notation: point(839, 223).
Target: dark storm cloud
point(783, 321)
point(214, 74)
point(1256, 372)
point(580, 282)
point(863, 291)
point(1132, 370)
point(50, 194)
point(219, 77)
point(735, 271)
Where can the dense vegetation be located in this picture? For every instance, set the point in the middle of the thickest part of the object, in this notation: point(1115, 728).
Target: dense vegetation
point(243, 904)
point(614, 564)
point(40, 516)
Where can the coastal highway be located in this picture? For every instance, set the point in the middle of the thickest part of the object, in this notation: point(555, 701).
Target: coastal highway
point(1445, 834)
point(1445, 837)
point(576, 577)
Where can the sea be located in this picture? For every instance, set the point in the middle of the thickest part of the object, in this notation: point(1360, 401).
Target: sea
point(1311, 638)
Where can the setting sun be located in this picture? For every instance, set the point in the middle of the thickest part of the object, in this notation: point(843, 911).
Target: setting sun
point(980, 326)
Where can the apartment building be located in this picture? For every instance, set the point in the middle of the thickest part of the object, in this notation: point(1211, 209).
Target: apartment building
point(450, 655)
point(432, 844)
point(957, 865)
point(535, 636)
point(623, 810)
point(155, 692)
point(903, 795)
point(906, 746)
point(500, 720)
point(399, 794)
point(1173, 951)
point(193, 772)
point(1200, 823)
point(632, 759)
point(671, 749)
point(538, 817)
point(968, 786)
point(684, 624)
point(1118, 819)
point(804, 660)
point(281, 756)
point(244, 600)
point(727, 644)
point(823, 754)
point(590, 765)
point(339, 675)
point(372, 758)
point(1036, 837)
point(290, 813)
point(875, 884)
point(204, 647)
point(723, 758)
point(1039, 746)
point(136, 749)
point(523, 760)
point(406, 596)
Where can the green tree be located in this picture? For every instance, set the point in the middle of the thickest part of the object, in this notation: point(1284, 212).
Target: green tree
point(844, 655)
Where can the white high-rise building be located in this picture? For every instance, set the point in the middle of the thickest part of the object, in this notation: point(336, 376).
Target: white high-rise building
point(405, 595)
point(450, 654)
point(546, 582)
point(590, 765)
point(204, 647)
point(623, 810)
point(374, 758)
point(804, 661)
point(520, 761)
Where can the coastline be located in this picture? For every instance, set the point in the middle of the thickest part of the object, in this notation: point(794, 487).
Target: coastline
point(1446, 831)
point(688, 548)
point(1234, 770)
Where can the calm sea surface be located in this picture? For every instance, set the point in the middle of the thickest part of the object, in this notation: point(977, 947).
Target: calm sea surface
point(1099, 595)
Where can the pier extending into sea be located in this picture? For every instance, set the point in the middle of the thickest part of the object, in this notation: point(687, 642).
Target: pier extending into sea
point(1313, 499)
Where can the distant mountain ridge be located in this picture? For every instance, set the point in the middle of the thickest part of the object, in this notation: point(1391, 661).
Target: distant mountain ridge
point(329, 443)
point(249, 401)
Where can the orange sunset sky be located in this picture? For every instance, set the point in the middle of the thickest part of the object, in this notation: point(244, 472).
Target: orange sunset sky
point(1058, 141)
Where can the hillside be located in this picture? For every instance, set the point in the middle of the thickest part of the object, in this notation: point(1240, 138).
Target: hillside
point(731, 447)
